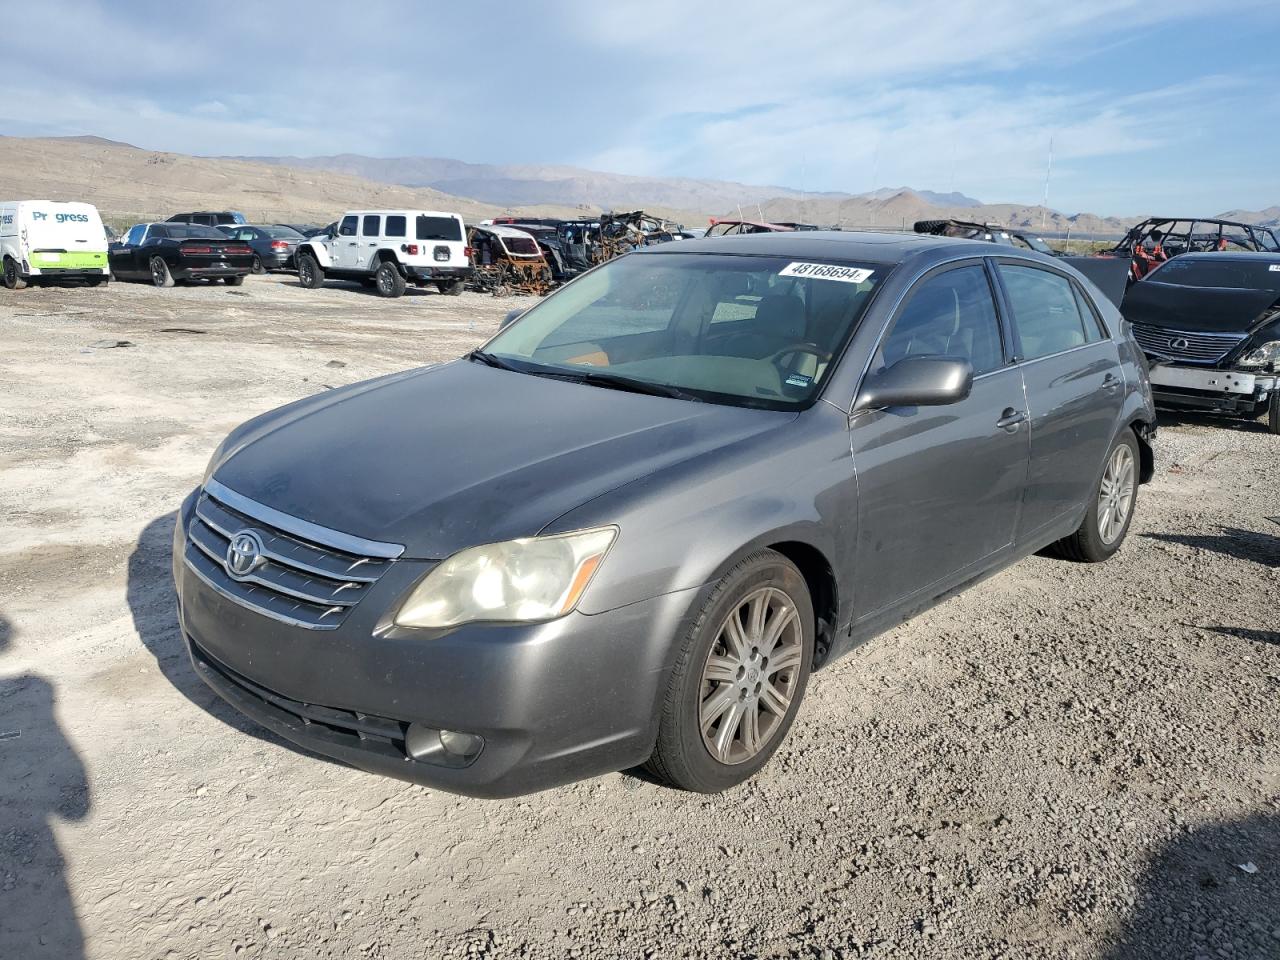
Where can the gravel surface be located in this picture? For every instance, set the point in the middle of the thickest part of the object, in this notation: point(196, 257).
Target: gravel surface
point(1067, 761)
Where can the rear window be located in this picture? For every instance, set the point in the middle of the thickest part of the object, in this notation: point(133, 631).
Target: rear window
point(521, 245)
point(439, 228)
point(193, 231)
point(282, 233)
point(395, 226)
point(1238, 274)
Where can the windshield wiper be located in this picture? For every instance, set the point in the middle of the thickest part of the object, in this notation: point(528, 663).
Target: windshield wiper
point(488, 359)
point(614, 382)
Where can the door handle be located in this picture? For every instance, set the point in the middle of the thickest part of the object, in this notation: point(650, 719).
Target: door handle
point(1111, 383)
point(1010, 419)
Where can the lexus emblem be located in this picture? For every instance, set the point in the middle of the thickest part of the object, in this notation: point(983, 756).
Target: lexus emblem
point(1179, 343)
point(244, 554)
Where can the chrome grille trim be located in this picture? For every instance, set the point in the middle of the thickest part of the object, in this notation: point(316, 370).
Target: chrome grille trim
point(1201, 347)
point(299, 580)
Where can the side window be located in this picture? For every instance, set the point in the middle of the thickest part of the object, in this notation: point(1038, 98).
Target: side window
point(348, 228)
point(135, 234)
point(1045, 311)
point(949, 314)
point(158, 232)
point(371, 227)
point(395, 226)
point(1093, 327)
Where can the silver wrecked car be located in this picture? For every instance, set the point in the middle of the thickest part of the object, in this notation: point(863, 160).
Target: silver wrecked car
point(627, 528)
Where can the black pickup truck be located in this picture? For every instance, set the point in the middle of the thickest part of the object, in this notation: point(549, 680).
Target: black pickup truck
point(165, 253)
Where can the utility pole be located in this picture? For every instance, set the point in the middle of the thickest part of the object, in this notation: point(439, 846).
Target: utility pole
point(1044, 206)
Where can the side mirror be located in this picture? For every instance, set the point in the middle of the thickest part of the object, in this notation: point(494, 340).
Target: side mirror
point(917, 382)
point(511, 317)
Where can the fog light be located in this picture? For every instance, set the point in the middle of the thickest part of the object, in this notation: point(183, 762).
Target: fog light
point(464, 745)
point(445, 748)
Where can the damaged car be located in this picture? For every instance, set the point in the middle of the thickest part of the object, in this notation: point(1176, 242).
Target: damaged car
point(1209, 324)
point(507, 261)
point(733, 228)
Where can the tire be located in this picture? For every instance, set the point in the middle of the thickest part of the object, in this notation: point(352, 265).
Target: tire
point(12, 278)
point(682, 757)
point(98, 281)
point(310, 273)
point(1090, 544)
point(237, 281)
point(452, 288)
point(160, 274)
point(390, 282)
point(1273, 412)
point(257, 264)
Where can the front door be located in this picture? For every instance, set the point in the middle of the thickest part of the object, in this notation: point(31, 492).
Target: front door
point(346, 245)
point(1075, 389)
point(939, 488)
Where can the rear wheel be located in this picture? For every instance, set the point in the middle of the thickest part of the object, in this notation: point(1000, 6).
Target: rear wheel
point(1110, 510)
point(310, 273)
point(98, 281)
point(257, 264)
point(451, 288)
point(160, 274)
point(12, 278)
point(741, 675)
point(234, 281)
point(389, 280)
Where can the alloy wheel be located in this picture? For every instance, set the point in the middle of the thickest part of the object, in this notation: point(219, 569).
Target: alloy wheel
point(1115, 494)
point(751, 676)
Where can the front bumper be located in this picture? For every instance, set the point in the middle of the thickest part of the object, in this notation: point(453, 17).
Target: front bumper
point(555, 702)
point(1210, 389)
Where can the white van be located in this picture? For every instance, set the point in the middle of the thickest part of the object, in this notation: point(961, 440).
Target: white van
point(387, 249)
point(46, 239)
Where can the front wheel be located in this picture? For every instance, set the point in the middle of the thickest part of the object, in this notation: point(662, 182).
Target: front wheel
point(12, 278)
point(1110, 512)
point(741, 675)
point(1273, 412)
point(310, 273)
point(160, 274)
point(390, 282)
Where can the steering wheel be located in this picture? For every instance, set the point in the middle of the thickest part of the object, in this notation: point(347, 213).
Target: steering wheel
point(796, 349)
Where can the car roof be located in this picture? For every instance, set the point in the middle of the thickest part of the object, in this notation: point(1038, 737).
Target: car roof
point(827, 244)
point(504, 230)
point(1232, 256)
point(404, 210)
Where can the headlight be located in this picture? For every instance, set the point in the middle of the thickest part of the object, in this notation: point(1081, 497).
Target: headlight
point(1267, 353)
point(520, 581)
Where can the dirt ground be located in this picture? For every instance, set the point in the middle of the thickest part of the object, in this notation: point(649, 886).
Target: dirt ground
point(1068, 761)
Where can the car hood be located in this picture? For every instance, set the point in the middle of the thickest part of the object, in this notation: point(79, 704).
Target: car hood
point(448, 457)
point(1201, 309)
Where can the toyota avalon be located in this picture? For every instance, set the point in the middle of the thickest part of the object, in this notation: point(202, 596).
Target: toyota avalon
point(627, 528)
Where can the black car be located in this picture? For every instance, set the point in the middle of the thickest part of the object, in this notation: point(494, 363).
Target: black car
point(165, 253)
point(273, 246)
point(1210, 326)
point(209, 218)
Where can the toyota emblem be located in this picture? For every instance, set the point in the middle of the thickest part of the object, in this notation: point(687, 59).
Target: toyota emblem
point(1179, 343)
point(244, 554)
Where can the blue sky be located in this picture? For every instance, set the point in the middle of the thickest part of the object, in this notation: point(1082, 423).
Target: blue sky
point(1151, 106)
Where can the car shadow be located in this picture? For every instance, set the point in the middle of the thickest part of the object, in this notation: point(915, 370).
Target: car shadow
point(42, 780)
point(1248, 633)
point(1251, 545)
point(1209, 892)
point(355, 286)
point(1187, 418)
point(153, 604)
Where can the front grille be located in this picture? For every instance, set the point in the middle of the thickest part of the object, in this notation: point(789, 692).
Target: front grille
point(1191, 347)
point(297, 580)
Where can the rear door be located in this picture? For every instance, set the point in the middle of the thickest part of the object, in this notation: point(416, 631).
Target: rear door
point(370, 240)
point(1075, 389)
point(939, 488)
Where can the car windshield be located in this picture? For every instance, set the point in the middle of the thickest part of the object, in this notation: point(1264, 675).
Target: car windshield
point(742, 330)
point(1238, 273)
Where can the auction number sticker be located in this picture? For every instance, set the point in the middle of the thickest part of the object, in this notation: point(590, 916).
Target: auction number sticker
point(1274, 268)
point(826, 271)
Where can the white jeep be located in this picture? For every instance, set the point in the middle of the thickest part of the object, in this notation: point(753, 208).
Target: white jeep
point(388, 249)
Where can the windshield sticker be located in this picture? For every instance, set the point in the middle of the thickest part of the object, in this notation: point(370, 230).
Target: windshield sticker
point(826, 271)
point(798, 380)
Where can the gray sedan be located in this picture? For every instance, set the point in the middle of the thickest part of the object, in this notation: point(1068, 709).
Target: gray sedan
point(626, 530)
